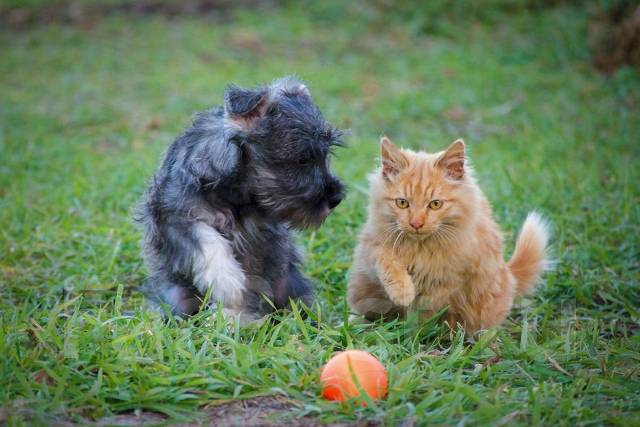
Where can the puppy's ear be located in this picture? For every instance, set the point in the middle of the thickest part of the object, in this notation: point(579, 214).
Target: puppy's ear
point(289, 84)
point(393, 160)
point(211, 157)
point(243, 107)
point(452, 160)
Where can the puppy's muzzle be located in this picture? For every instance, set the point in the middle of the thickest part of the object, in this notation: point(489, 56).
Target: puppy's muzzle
point(334, 193)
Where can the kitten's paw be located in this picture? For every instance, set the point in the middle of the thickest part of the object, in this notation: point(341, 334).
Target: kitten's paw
point(402, 293)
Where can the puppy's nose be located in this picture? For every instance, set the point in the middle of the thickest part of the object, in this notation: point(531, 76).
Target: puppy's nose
point(334, 192)
point(334, 200)
point(416, 223)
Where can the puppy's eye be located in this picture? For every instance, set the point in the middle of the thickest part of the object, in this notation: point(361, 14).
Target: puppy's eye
point(304, 161)
point(402, 203)
point(435, 204)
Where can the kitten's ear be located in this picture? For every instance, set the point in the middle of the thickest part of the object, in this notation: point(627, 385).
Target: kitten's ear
point(243, 107)
point(452, 160)
point(393, 160)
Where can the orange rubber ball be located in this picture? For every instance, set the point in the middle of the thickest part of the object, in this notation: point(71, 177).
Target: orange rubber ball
point(349, 372)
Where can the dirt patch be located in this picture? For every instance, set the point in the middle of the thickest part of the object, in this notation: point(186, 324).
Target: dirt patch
point(263, 411)
point(266, 411)
point(133, 419)
point(87, 14)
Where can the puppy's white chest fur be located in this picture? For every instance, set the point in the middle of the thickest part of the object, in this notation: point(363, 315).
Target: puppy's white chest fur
point(216, 267)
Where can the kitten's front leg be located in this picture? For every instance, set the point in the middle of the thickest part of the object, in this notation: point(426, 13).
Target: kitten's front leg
point(395, 280)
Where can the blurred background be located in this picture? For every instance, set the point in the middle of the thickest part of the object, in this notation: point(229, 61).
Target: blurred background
point(545, 92)
point(612, 27)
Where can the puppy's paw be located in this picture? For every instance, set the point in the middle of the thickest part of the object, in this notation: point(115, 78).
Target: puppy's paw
point(216, 267)
point(243, 317)
point(402, 292)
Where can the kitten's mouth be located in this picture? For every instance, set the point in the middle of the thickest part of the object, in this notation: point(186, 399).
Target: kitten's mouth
point(417, 233)
point(421, 233)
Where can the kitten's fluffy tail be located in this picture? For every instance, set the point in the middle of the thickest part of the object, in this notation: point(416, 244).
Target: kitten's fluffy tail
point(529, 258)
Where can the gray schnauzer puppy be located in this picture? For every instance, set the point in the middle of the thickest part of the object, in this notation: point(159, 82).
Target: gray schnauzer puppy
point(218, 213)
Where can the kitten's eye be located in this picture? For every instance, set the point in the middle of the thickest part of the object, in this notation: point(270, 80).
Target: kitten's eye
point(402, 203)
point(435, 204)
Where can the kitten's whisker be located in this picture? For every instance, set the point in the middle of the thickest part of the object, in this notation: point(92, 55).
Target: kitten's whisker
point(444, 235)
point(389, 232)
point(438, 238)
point(400, 234)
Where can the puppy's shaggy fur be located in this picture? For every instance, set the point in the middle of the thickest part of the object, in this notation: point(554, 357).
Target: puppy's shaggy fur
point(218, 212)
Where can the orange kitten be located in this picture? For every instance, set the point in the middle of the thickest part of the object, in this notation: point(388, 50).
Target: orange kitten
point(430, 241)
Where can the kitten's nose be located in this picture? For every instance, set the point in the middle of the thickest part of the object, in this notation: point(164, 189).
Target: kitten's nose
point(416, 223)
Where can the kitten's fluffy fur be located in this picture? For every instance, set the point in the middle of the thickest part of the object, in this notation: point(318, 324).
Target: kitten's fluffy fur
point(412, 256)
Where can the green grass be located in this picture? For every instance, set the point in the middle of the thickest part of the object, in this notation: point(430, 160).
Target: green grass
point(87, 112)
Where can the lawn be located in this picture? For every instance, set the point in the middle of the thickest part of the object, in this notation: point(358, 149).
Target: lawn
point(87, 110)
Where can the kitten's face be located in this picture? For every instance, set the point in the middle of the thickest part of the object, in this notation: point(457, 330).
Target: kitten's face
point(424, 192)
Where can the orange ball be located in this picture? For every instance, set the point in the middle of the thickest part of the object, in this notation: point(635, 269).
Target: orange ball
point(348, 372)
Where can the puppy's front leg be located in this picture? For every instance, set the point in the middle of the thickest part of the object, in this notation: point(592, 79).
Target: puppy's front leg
point(216, 267)
point(395, 280)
